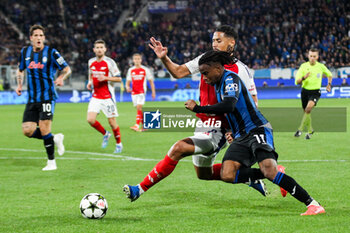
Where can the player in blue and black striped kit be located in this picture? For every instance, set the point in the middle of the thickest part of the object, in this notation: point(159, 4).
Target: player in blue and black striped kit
point(253, 139)
point(41, 63)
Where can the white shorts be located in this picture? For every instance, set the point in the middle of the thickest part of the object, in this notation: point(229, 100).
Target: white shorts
point(207, 145)
point(107, 106)
point(138, 99)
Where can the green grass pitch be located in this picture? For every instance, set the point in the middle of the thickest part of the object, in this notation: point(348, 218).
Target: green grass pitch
point(37, 201)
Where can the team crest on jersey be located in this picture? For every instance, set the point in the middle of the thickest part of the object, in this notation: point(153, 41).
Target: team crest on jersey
point(318, 75)
point(44, 59)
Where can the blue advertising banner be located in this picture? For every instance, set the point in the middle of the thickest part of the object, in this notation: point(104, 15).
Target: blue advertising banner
point(74, 96)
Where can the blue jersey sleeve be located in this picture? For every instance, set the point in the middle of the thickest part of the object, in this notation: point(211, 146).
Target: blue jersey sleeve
point(21, 61)
point(231, 87)
point(58, 60)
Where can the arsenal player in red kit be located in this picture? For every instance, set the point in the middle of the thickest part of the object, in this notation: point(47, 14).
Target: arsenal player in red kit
point(205, 144)
point(137, 75)
point(102, 72)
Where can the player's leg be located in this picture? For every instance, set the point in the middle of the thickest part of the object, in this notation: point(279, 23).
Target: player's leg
point(94, 108)
point(310, 105)
point(30, 119)
point(116, 132)
point(304, 101)
point(31, 130)
point(236, 167)
point(91, 119)
point(163, 168)
point(268, 167)
point(207, 145)
point(138, 101)
point(139, 115)
point(45, 129)
point(109, 109)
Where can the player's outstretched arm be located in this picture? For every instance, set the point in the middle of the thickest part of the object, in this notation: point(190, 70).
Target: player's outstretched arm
point(65, 73)
point(20, 75)
point(226, 106)
point(176, 70)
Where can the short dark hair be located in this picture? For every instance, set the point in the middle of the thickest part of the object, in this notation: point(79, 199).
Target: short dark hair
point(137, 54)
point(313, 50)
point(212, 56)
point(100, 41)
point(228, 30)
point(35, 27)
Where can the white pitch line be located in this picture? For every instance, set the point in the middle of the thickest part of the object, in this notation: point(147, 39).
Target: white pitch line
point(136, 158)
point(83, 153)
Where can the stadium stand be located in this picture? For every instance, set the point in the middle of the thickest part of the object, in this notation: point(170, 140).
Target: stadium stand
point(271, 33)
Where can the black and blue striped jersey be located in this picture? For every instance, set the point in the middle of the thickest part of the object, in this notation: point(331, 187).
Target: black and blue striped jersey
point(245, 115)
point(41, 69)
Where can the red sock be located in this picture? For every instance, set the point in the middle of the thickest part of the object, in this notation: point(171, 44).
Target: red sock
point(216, 171)
point(116, 133)
point(99, 127)
point(139, 117)
point(159, 172)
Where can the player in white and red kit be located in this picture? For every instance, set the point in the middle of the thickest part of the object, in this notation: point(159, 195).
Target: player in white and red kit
point(102, 71)
point(138, 75)
point(204, 146)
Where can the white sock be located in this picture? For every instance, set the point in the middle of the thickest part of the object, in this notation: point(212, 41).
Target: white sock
point(314, 203)
point(51, 162)
point(140, 188)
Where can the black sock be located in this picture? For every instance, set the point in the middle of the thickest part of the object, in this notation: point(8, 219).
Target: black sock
point(37, 134)
point(49, 146)
point(289, 184)
point(247, 175)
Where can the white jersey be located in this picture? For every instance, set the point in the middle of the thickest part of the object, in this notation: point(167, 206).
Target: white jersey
point(239, 67)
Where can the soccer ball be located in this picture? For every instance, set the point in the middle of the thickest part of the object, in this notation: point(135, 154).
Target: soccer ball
point(93, 206)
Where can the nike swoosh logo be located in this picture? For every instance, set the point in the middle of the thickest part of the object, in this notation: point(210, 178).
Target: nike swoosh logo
point(293, 192)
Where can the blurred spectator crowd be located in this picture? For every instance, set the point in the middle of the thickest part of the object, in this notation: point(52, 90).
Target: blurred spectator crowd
point(272, 33)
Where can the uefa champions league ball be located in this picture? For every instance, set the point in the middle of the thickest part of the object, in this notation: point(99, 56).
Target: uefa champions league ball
point(93, 206)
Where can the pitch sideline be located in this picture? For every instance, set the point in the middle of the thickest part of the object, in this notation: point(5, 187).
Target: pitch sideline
point(116, 157)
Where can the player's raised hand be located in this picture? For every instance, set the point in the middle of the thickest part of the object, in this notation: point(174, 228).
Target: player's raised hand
point(190, 104)
point(158, 48)
point(19, 90)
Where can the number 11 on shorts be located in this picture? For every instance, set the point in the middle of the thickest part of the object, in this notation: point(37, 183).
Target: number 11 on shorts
point(260, 138)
